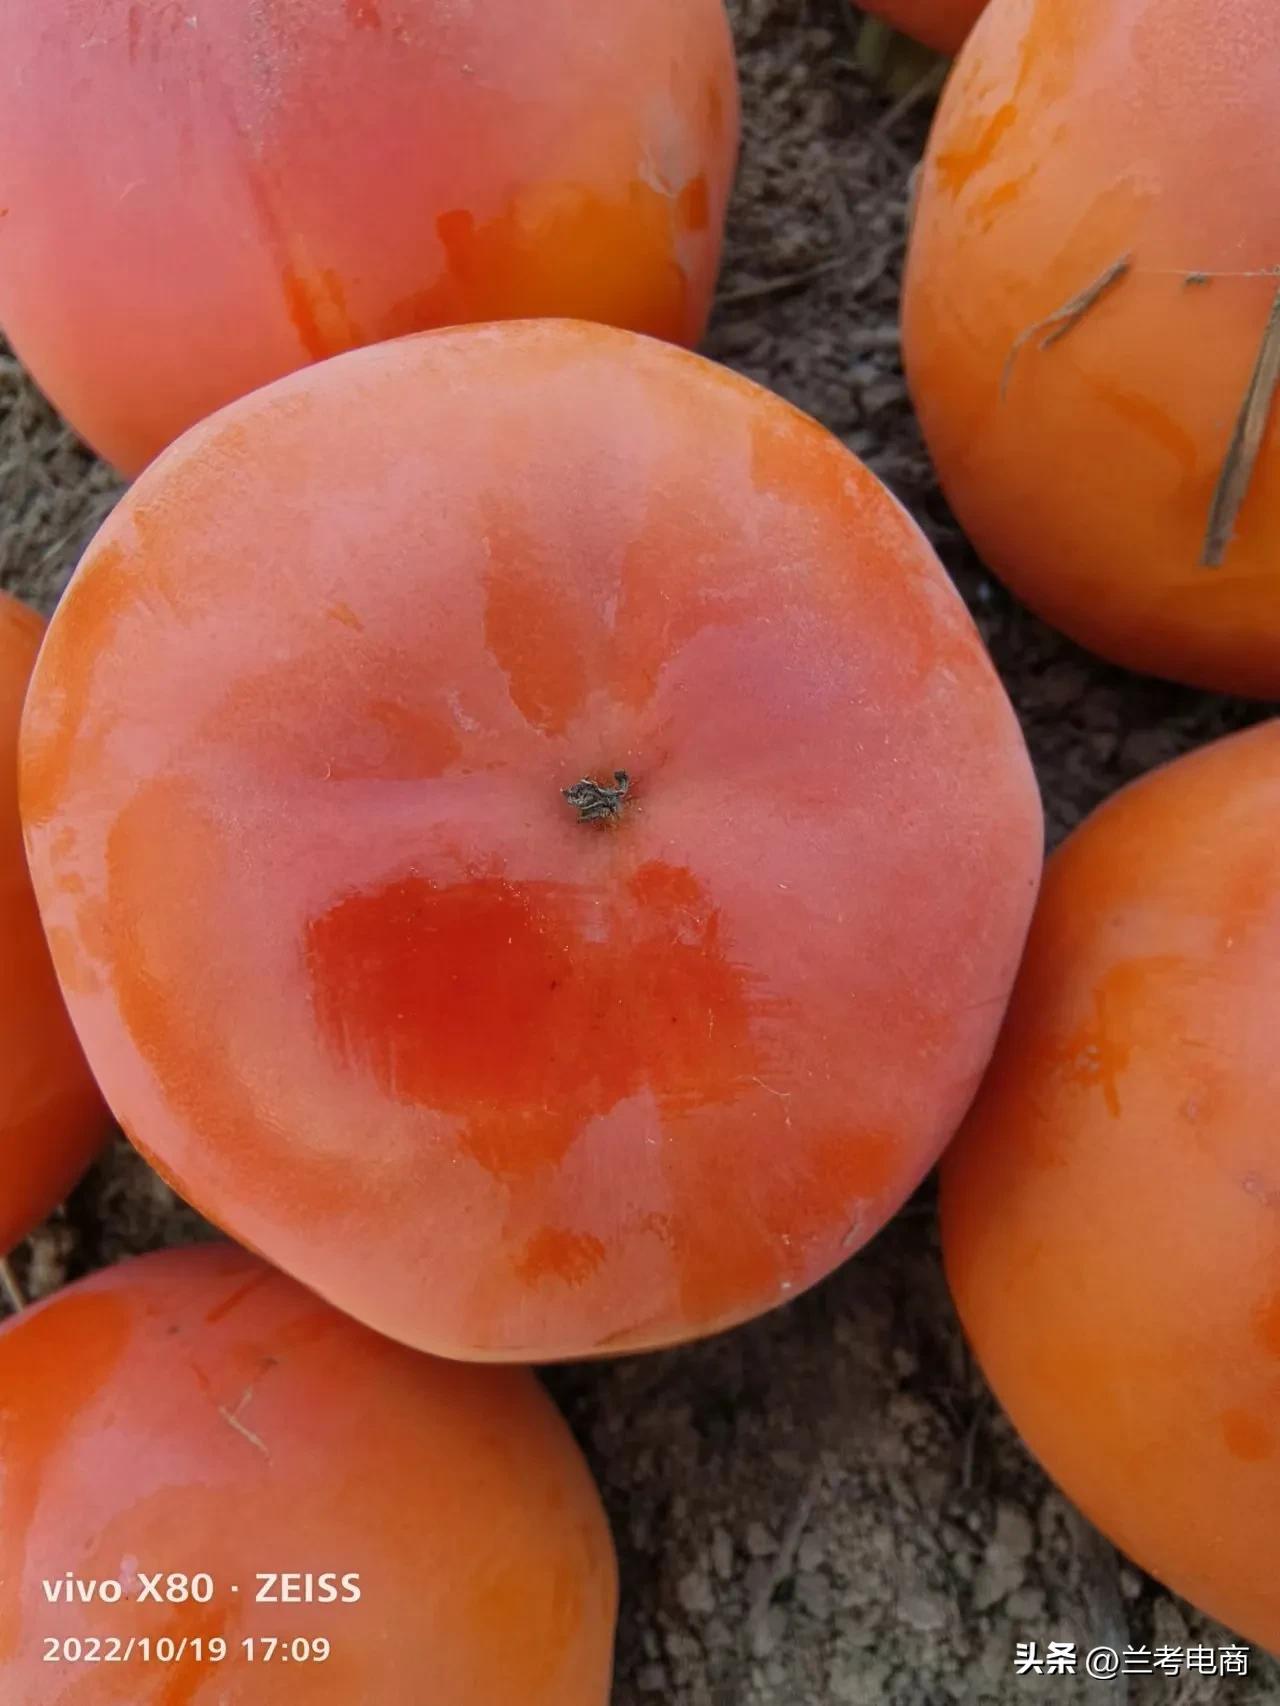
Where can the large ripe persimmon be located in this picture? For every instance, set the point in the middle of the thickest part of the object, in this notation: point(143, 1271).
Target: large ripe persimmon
point(1111, 1209)
point(501, 1072)
point(51, 1117)
point(196, 199)
point(939, 24)
point(1092, 276)
point(324, 1515)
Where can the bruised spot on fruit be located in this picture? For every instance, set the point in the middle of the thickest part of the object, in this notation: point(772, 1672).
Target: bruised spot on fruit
point(526, 1010)
point(1149, 418)
point(194, 1627)
point(1004, 195)
point(1097, 1053)
point(669, 887)
point(557, 250)
point(659, 613)
point(1266, 1325)
point(845, 1166)
point(536, 634)
point(1246, 1436)
point(237, 1295)
point(364, 14)
point(693, 205)
point(457, 233)
point(715, 108)
point(722, 1248)
point(955, 166)
point(557, 1254)
point(1051, 45)
point(317, 305)
point(421, 745)
point(67, 1360)
point(342, 612)
point(403, 738)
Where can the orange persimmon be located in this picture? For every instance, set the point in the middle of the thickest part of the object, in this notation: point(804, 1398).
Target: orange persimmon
point(1092, 276)
point(321, 1514)
point(195, 200)
point(1111, 1208)
point(52, 1119)
point(939, 24)
point(507, 1073)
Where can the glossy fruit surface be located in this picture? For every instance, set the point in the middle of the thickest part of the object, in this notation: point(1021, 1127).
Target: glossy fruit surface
point(1111, 1208)
point(196, 199)
point(359, 977)
point(197, 1415)
point(939, 24)
point(51, 1117)
point(1092, 270)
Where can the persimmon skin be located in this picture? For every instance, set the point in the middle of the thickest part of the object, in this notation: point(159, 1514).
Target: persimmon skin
point(52, 1119)
point(1109, 1208)
point(197, 1412)
point(352, 972)
point(939, 24)
point(193, 203)
point(1070, 137)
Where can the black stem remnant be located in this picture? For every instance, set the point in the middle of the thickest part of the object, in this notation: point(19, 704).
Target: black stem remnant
point(1246, 441)
point(1066, 318)
point(596, 802)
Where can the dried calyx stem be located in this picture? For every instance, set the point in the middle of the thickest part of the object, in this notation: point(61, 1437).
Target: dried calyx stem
point(597, 802)
point(1066, 318)
point(1246, 441)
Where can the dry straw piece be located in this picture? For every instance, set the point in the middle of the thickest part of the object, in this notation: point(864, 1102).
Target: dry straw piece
point(1066, 318)
point(1241, 459)
point(1246, 441)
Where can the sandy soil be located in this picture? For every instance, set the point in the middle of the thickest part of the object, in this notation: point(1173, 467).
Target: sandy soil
point(826, 1506)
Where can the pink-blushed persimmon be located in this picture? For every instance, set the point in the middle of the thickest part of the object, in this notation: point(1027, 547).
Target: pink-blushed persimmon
point(1111, 1208)
point(216, 1489)
point(197, 199)
point(52, 1120)
point(535, 843)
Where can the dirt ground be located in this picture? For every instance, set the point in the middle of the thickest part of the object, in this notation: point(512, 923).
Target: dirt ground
point(826, 1506)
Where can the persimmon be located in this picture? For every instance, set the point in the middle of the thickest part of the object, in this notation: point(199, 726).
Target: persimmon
point(534, 842)
point(1089, 315)
point(322, 1514)
point(196, 200)
point(939, 24)
point(1110, 1207)
point(52, 1120)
